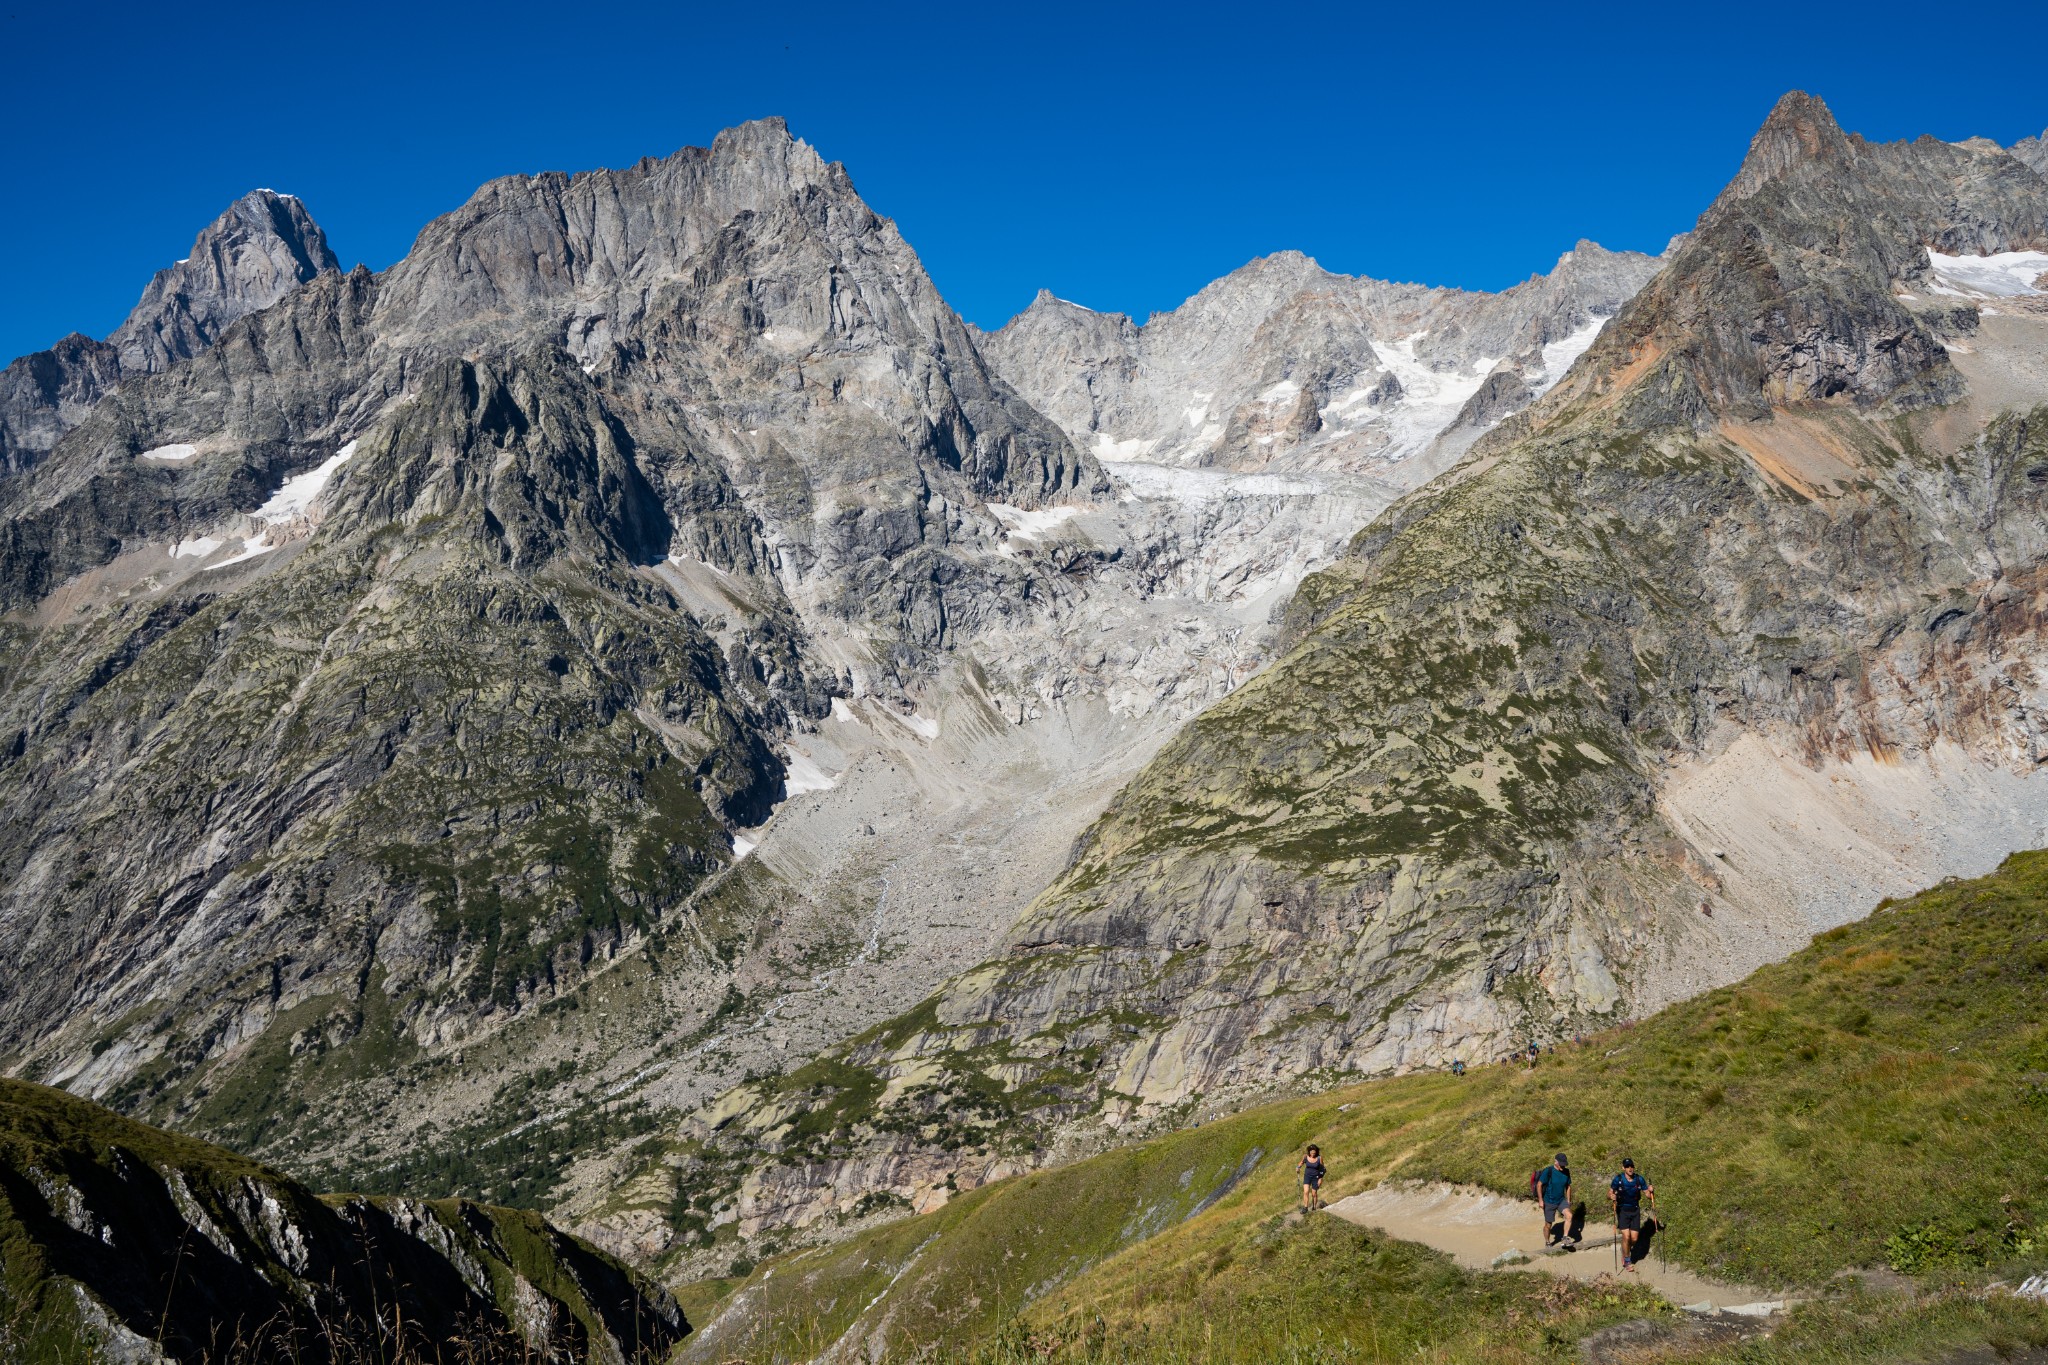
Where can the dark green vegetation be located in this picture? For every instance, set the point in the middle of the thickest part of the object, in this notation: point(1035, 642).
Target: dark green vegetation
point(1879, 1100)
point(117, 1238)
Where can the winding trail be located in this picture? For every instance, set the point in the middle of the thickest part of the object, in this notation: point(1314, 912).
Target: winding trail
point(1475, 1226)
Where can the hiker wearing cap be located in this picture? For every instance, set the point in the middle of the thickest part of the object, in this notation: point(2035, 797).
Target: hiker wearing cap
point(1627, 1192)
point(1554, 1190)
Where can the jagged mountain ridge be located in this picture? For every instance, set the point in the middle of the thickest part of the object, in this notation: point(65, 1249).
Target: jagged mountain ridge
point(261, 248)
point(139, 1245)
point(1532, 756)
point(1283, 366)
point(412, 647)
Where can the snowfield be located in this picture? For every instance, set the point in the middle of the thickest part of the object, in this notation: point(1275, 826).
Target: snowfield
point(295, 495)
point(2004, 275)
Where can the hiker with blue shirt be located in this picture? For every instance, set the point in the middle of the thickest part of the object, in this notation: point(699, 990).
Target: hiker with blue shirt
point(1554, 1192)
point(1627, 1192)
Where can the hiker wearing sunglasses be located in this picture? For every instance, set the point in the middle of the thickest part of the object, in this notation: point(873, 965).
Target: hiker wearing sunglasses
point(1626, 1192)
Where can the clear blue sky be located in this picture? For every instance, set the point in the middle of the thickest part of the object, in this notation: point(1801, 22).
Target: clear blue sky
point(1120, 156)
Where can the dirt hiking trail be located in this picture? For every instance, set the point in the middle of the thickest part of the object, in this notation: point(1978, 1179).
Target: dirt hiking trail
point(1477, 1226)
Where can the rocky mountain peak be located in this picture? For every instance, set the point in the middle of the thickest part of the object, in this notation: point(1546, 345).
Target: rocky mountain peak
point(1800, 129)
point(265, 245)
point(1282, 364)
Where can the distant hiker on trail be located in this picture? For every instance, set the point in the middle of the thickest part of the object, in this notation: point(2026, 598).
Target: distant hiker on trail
point(1312, 1173)
point(1554, 1191)
point(1627, 1192)
point(1457, 1066)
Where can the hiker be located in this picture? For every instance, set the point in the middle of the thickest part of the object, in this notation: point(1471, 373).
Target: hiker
point(1554, 1191)
point(1627, 1192)
point(1457, 1066)
point(1312, 1173)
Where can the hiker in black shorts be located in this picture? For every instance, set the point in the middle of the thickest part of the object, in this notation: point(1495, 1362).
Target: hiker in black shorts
point(1554, 1192)
point(1312, 1173)
point(1627, 1192)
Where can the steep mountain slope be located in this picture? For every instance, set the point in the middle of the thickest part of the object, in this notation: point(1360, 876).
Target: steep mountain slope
point(1734, 631)
point(388, 665)
point(1873, 1101)
point(1284, 366)
point(138, 1245)
point(262, 248)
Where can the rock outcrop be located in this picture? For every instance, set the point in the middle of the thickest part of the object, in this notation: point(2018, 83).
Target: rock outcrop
point(2033, 151)
point(129, 1243)
point(262, 248)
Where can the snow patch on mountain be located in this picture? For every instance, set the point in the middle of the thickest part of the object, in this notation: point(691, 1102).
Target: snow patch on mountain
point(2001, 275)
point(1433, 397)
point(801, 773)
point(1559, 356)
point(1031, 524)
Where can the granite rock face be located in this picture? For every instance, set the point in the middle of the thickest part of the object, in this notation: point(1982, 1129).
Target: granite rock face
point(2033, 151)
point(262, 248)
point(1740, 627)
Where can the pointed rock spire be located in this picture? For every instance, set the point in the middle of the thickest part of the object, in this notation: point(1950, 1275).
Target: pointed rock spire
point(1799, 130)
point(265, 245)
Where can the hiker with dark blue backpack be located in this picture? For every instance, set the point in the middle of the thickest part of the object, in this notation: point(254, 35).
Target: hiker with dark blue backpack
point(1627, 1192)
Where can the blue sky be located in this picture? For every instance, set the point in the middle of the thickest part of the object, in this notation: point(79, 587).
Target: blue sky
point(1120, 156)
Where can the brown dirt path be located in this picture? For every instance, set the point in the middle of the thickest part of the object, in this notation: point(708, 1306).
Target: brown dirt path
point(1476, 1226)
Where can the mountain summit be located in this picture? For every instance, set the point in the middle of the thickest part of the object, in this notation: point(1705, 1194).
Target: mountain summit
point(264, 246)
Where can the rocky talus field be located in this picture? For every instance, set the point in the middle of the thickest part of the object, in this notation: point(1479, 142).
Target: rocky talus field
point(639, 713)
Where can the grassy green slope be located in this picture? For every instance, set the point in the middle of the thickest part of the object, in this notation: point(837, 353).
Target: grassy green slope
point(1881, 1097)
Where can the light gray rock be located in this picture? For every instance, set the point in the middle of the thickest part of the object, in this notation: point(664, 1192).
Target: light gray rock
point(2033, 151)
point(262, 248)
point(1284, 366)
